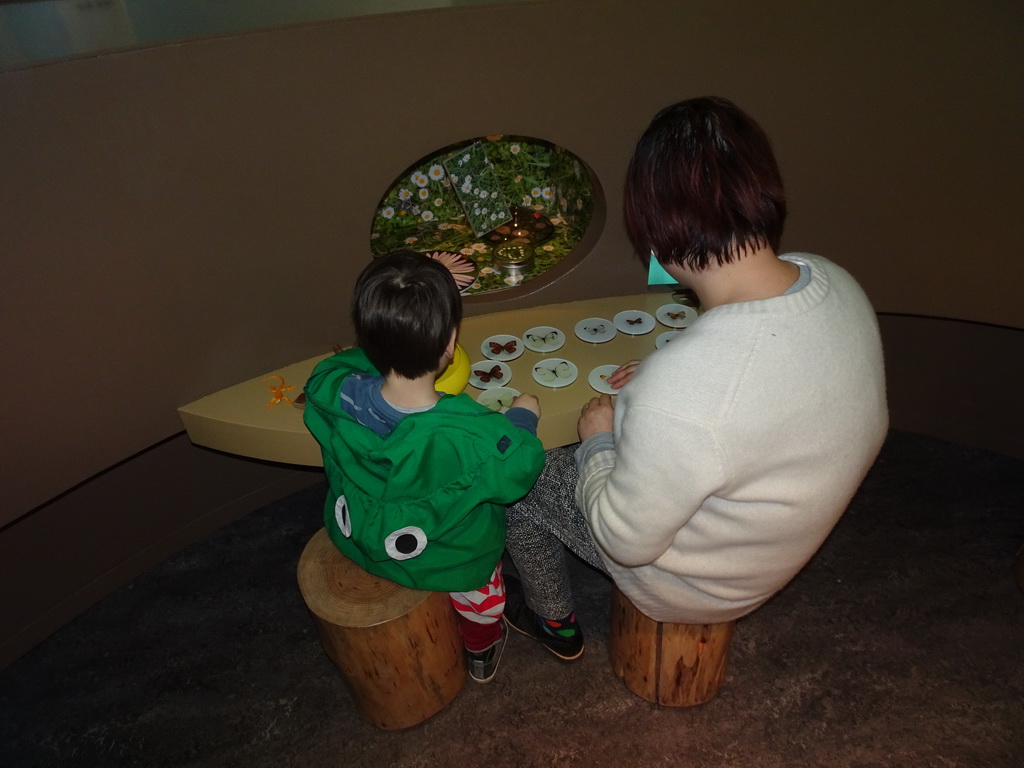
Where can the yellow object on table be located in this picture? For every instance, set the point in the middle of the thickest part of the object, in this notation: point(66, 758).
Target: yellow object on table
point(456, 375)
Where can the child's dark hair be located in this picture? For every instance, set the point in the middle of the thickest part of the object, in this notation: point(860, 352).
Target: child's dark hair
point(405, 308)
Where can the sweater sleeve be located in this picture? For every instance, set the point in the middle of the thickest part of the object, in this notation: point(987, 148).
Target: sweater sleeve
point(638, 496)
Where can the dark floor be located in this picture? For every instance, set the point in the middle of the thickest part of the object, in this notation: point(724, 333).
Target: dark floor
point(901, 644)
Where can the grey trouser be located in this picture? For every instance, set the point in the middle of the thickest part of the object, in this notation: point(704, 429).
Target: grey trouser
point(539, 525)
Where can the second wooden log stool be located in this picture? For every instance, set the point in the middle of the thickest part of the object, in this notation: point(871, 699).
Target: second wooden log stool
point(398, 649)
point(674, 665)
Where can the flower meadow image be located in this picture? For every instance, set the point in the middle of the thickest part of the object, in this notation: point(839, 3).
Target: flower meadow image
point(456, 199)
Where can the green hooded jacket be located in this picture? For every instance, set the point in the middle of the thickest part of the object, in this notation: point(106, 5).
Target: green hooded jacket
point(423, 506)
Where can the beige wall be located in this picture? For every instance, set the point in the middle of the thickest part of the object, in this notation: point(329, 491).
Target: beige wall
point(177, 219)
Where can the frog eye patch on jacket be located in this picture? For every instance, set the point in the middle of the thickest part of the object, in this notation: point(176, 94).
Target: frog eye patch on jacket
point(405, 543)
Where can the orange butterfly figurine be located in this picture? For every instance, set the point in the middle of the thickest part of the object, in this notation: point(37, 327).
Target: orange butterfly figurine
point(497, 348)
point(486, 376)
point(676, 315)
point(637, 321)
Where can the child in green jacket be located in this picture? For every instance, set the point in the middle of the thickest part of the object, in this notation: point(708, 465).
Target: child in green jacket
point(419, 480)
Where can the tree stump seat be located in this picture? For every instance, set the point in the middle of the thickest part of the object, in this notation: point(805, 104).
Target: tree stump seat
point(674, 665)
point(399, 650)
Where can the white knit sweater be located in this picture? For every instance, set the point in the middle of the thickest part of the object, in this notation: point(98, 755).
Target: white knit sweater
point(736, 449)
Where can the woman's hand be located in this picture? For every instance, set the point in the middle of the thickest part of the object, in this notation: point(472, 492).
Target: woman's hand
point(622, 374)
point(598, 415)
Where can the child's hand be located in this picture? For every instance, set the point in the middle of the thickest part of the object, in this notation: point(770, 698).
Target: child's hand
point(529, 402)
point(622, 374)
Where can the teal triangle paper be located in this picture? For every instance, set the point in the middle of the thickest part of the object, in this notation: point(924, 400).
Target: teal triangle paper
point(656, 274)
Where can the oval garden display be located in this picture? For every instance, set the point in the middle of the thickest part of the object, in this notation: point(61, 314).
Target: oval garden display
point(514, 206)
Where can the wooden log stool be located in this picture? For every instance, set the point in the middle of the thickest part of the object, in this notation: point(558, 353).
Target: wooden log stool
point(398, 649)
point(674, 665)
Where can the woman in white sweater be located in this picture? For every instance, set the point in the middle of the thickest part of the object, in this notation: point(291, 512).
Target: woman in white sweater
point(731, 452)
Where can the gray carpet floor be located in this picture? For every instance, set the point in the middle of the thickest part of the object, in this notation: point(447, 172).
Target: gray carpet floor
point(900, 644)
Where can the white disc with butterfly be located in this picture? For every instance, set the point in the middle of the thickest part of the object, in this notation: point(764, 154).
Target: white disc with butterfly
point(502, 347)
point(634, 322)
point(544, 338)
point(676, 315)
point(598, 379)
point(595, 330)
point(498, 399)
point(665, 338)
point(555, 372)
point(489, 374)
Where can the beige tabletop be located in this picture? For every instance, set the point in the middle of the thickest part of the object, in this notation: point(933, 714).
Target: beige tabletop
point(241, 421)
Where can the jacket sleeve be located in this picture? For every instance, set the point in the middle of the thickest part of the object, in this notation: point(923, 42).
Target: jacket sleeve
point(512, 474)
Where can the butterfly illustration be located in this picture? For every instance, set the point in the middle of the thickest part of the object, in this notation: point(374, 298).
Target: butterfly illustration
point(560, 371)
point(594, 330)
point(501, 403)
point(676, 315)
point(636, 321)
point(543, 340)
point(497, 348)
point(486, 376)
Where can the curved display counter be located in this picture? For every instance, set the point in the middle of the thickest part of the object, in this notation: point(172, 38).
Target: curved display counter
point(244, 420)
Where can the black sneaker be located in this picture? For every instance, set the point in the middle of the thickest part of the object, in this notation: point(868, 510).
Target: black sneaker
point(483, 664)
point(521, 618)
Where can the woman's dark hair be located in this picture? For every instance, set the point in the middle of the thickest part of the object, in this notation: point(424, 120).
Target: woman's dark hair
point(703, 186)
point(405, 308)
